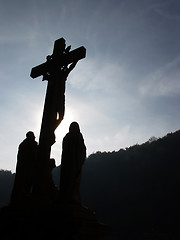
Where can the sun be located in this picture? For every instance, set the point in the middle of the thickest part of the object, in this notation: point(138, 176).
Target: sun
point(60, 132)
point(63, 128)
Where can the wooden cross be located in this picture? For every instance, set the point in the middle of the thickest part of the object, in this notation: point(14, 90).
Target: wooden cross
point(55, 70)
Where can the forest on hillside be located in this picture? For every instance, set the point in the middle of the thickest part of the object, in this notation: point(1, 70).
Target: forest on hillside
point(136, 184)
point(140, 183)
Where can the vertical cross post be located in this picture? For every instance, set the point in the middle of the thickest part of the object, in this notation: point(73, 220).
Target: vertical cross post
point(55, 70)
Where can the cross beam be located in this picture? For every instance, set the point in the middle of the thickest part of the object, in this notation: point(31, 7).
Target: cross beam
point(56, 70)
point(58, 58)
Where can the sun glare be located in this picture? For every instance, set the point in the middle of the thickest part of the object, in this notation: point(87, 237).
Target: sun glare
point(63, 128)
point(60, 132)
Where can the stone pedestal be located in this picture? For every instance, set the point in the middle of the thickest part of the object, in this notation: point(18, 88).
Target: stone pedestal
point(53, 221)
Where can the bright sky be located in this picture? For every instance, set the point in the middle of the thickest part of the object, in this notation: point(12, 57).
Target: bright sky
point(126, 90)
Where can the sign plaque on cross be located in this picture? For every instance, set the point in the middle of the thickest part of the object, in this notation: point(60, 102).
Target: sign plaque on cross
point(55, 70)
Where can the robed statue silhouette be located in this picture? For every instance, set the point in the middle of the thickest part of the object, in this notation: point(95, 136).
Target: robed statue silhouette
point(25, 168)
point(73, 157)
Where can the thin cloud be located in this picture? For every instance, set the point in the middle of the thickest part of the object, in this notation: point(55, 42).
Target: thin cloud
point(95, 76)
point(163, 82)
point(168, 9)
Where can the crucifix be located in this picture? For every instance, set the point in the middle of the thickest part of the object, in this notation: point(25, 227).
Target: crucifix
point(55, 70)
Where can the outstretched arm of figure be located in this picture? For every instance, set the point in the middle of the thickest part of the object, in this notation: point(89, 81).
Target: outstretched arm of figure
point(68, 70)
point(72, 66)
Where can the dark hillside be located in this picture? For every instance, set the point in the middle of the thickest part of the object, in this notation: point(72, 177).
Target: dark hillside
point(138, 184)
point(6, 184)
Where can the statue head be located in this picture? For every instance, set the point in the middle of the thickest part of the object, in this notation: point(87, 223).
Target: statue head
point(74, 128)
point(30, 135)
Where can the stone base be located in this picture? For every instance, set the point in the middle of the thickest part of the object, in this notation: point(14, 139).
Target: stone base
point(51, 222)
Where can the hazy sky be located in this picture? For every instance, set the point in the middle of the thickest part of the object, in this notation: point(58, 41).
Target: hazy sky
point(125, 91)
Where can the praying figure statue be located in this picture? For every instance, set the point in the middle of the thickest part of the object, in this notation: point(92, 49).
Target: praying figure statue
point(25, 168)
point(73, 157)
